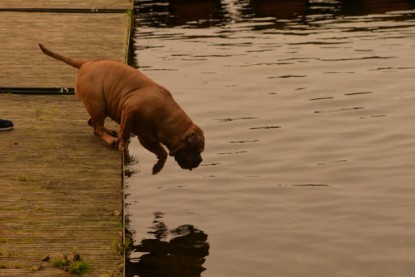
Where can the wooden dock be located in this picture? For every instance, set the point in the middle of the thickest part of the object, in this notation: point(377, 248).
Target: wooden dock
point(60, 186)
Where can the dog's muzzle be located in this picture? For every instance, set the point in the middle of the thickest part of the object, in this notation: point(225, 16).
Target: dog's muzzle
point(188, 160)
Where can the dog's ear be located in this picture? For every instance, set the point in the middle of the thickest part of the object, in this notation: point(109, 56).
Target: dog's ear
point(193, 138)
point(196, 139)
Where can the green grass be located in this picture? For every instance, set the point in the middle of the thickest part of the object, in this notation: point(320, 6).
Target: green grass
point(121, 248)
point(79, 267)
point(76, 265)
point(60, 262)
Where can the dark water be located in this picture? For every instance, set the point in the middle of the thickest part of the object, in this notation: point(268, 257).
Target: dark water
point(308, 109)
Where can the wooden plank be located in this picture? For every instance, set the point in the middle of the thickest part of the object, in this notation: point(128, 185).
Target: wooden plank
point(87, 36)
point(60, 188)
point(62, 4)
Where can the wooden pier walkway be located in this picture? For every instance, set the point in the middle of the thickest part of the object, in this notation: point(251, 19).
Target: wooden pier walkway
point(60, 186)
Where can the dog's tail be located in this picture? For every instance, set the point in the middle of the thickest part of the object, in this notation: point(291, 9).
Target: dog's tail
point(75, 62)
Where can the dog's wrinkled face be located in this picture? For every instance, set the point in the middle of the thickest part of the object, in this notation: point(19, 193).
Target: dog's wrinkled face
point(187, 155)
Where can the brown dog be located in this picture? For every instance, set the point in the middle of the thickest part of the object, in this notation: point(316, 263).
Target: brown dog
point(140, 106)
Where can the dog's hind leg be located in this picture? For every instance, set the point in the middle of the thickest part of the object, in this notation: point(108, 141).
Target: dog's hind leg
point(112, 133)
point(92, 97)
point(97, 123)
point(103, 133)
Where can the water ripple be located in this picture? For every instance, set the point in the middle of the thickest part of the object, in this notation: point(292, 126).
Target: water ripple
point(308, 114)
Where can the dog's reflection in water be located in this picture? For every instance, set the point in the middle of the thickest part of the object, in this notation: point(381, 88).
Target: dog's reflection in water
point(174, 253)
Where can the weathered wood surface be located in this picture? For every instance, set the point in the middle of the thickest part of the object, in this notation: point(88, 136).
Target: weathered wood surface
point(84, 35)
point(66, 4)
point(60, 188)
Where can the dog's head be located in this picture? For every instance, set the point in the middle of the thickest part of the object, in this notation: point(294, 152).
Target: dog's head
point(187, 152)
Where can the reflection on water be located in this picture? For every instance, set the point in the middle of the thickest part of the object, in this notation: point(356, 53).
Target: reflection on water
point(171, 253)
point(208, 13)
point(308, 112)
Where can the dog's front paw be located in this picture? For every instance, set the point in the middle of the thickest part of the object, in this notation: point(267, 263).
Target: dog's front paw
point(158, 166)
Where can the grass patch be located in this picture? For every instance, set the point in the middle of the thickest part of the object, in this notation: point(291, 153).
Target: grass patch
point(79, 267)
point(60, 262)
point(117, 247)
point(121, 248)
point(75, 265)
